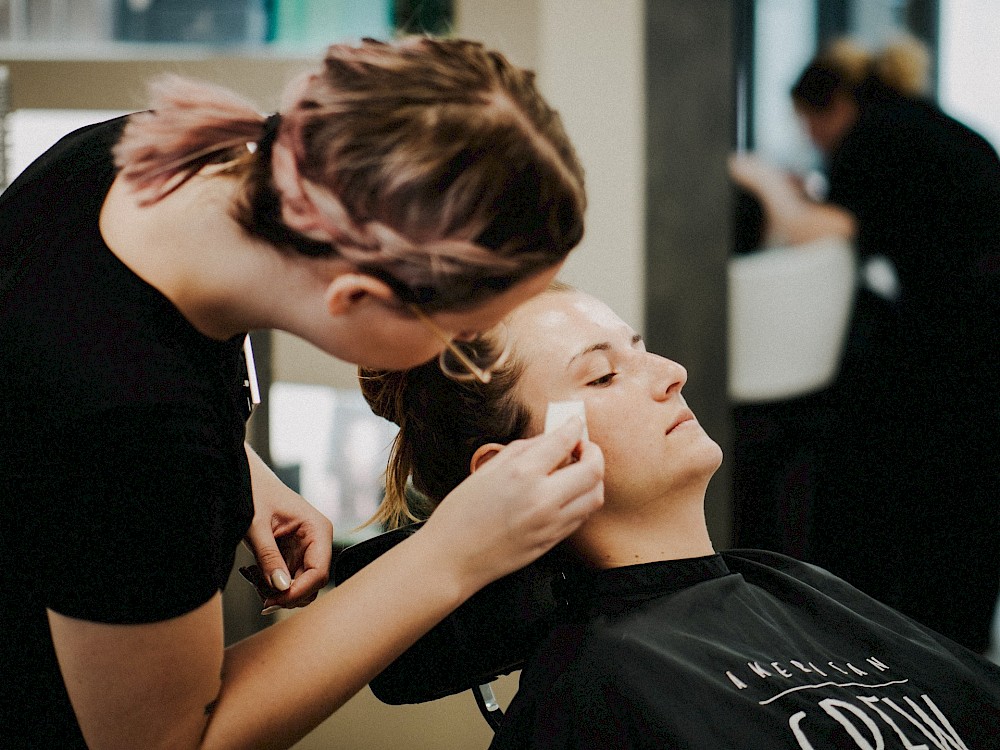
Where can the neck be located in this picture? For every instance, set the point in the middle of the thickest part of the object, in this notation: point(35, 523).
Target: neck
point(672, 528)
point(190, 249)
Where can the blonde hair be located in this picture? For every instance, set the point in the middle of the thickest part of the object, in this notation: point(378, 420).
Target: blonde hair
point(905, 66)
point(449, 175)
point(846, 66)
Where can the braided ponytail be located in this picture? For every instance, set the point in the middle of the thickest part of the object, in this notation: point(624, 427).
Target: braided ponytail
point(434, 164)
point(439, 165)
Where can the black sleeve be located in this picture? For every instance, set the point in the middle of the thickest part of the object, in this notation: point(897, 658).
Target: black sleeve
point(871, 177)
point(146, 510)
point(925, 193)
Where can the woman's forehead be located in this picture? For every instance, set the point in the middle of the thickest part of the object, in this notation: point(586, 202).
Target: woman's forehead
point(553, 327)
point(556, 315)
point(542, 318)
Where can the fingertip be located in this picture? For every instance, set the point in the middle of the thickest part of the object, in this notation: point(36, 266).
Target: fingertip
point(309, 581)
point(280, 581)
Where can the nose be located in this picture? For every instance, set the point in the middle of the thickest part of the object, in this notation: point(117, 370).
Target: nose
point(668, 377)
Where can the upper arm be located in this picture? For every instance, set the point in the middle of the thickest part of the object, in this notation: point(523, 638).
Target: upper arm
point(149, 685)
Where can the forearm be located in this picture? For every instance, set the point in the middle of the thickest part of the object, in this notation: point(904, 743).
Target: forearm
point(813, 221)
point(170, 684)
point(791, 217)
point(282, 682)
point(795, 219)
point(263, 481)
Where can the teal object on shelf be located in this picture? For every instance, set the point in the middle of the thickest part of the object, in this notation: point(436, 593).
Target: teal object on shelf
point(321, 22)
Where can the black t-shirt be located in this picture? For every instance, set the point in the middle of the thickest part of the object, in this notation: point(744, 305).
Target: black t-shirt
point(125, 485)
point(746, 649)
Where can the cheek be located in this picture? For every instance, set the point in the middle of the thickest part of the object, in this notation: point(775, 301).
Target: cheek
point(616, 417)
point(611, 430)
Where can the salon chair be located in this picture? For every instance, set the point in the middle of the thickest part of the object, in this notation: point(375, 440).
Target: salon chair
point(490, 635)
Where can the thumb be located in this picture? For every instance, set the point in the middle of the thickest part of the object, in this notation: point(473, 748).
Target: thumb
point(272, 565)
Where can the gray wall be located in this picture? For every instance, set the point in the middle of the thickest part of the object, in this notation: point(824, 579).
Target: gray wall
point(689, 127)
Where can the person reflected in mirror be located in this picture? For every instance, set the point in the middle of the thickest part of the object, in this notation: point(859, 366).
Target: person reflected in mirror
point(908, 512)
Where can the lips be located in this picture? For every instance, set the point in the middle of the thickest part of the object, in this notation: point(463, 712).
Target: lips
point(684, 416)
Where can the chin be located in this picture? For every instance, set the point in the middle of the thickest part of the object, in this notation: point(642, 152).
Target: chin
point(707, 462)
point(718, 456)
point(392, 361)
point(706, 453)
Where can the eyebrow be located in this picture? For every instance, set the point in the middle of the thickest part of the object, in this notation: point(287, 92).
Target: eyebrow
point(603, 346)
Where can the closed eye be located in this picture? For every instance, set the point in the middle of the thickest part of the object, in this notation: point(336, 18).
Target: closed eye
point(603, 380)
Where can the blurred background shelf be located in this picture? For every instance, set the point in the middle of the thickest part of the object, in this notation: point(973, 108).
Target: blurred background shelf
point(98, 54)
point(300, 26)
point(119, 51)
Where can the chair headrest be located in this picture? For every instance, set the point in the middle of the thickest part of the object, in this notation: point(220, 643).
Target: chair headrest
point(489, 635)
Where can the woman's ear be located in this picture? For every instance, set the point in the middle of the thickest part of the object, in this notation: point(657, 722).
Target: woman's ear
point(348, 289)
point(483, 454)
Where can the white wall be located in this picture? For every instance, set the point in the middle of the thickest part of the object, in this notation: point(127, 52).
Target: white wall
point(969, 60)
point(785, 40)
point(590, 66)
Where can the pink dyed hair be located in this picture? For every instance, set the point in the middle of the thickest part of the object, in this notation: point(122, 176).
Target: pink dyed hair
point(189, 124)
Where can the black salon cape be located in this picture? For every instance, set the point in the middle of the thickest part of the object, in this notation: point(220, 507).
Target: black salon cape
point(124, 485)
point(747, 649)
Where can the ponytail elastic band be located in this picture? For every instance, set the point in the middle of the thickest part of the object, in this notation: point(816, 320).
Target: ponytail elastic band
point(271, 125)
point(269, 133)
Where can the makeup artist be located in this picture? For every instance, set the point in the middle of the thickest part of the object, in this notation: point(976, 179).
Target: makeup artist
point(407, 197)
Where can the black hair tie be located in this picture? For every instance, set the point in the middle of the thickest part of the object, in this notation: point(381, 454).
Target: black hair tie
point(270, 132)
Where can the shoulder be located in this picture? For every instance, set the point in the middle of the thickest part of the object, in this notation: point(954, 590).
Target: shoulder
point(773, 570)
point(766, 559)
point(818, 604)
point(57, 198)
point(919, 130)
point(82, 150)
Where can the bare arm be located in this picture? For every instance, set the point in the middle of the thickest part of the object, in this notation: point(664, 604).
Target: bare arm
point(791, 217)
point(171, 685)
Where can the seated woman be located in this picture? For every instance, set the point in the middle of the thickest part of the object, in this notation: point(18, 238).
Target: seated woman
point(667, 643)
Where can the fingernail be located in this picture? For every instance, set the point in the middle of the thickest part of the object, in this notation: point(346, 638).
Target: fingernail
point(280, 580)
point(270, 610)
